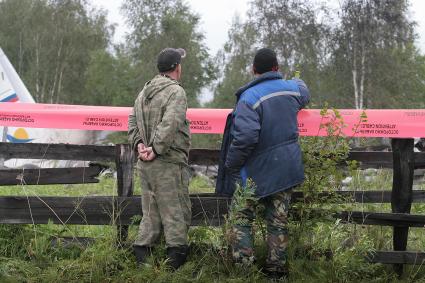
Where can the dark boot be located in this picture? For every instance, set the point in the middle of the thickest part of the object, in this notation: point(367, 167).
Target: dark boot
point(276, 271)
point(177, 256)
point(142, 253)
point(275, 275)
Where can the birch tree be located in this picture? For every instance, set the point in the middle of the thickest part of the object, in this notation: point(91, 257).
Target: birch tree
point(369, 29)
point(292, 28)
point(50, 44)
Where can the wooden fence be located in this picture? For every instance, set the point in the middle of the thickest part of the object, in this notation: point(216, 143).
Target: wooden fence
point(207, 209)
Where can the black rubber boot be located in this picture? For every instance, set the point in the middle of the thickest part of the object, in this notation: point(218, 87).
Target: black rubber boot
point(276, 271)
point(275, 275)
point(142, 253)
point(177, 256)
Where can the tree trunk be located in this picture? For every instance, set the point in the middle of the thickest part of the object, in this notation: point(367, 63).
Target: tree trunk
point(56, 76)
point(3, 139)
point(59, 85)
point(43, 89)
point(362, 77)
point(21, 55)
point(37, 68)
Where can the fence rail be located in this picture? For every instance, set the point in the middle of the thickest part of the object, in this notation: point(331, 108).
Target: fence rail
point(98, 210)
point(45, 176)
point(105, 210)
point(369, 159)
point(57, 151)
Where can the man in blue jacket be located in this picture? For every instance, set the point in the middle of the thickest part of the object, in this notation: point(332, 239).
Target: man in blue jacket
point(261, 144)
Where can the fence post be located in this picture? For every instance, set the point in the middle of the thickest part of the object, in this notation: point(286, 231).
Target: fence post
point(3, 139)
point(401, 195)
point(124, 164)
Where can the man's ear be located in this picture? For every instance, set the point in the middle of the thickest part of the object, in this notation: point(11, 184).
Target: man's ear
point(275, 68)
point(254, 71)
point(178, 70)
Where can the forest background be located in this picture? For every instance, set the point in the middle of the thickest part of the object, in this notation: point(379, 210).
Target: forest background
point(360, 54)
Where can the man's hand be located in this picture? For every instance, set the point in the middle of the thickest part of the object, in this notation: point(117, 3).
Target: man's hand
point(146, 153)
point(140, 149)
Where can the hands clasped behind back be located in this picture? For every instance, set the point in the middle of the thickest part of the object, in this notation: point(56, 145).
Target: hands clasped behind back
point(145, 153)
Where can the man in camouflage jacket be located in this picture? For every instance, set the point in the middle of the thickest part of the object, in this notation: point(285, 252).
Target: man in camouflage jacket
point(159, 133)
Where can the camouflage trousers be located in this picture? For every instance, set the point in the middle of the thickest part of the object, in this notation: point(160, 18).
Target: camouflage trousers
point(274, 209)
point(165, 203)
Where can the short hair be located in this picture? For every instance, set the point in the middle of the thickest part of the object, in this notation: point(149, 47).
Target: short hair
point(264, 61)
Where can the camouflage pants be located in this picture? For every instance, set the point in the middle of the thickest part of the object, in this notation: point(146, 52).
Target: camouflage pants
point(165, 203)
point(274, 208)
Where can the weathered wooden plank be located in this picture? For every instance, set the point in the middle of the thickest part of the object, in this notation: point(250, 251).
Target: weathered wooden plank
point(367, 159)
point(401, 197)
point(43, 176)
point(57, 151)
point(396, 257)
point(204, 156)
point(368, 196)
point(205, 210)
point(124, 164)
point(97, 210)
point(372, 159)
point(86, 152)
point(382, 219)
point(419, 158)
point(382, 196)
point(363, 196)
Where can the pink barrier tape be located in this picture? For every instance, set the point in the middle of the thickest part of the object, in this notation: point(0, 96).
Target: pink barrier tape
point(379, 123)
point(399, 123)
point(57, 116)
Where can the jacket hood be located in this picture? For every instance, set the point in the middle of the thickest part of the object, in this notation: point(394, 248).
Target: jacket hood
point(157, 84)
point(261, 78)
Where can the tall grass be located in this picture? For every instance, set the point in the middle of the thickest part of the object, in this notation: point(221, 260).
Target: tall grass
point(326, 251)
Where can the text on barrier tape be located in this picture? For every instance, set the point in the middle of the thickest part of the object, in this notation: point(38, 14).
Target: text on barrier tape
point(379, 123)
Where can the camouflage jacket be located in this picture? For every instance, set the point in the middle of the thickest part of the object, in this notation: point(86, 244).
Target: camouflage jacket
point(159, 120)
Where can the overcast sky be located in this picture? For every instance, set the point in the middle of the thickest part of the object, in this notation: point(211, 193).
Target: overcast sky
point(217, 15)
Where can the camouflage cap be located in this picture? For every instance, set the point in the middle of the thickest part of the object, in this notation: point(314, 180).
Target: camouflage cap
point(169, 58)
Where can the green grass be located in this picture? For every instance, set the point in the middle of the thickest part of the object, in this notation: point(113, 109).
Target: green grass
point(26, 253)
point(200, 185)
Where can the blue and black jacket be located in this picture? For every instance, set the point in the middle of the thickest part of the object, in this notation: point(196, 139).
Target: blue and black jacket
point(260, 141)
